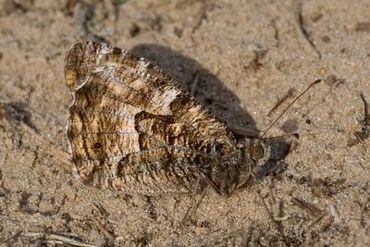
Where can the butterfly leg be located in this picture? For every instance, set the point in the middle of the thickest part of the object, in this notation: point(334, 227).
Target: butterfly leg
point(196, 203)
point(211, 183)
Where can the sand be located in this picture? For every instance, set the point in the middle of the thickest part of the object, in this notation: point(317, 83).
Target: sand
point(238, 58)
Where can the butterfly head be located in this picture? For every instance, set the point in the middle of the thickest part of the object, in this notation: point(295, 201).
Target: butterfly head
point(254, 153)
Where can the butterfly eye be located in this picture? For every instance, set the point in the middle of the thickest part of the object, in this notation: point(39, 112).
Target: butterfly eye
point(257, 152)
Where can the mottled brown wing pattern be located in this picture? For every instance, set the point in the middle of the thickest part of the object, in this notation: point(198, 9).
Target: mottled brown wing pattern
point(132, 128)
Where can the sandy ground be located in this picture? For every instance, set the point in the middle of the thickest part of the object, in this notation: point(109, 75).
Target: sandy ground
point(238, 58)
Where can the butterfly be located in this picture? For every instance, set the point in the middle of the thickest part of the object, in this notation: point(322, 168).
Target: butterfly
point(132, 128)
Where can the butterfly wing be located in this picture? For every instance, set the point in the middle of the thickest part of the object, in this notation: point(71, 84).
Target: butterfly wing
point(132, 128)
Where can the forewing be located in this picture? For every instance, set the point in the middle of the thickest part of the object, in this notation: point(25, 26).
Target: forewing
point(132, 128)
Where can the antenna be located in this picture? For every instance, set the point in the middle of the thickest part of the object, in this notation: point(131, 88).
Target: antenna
point(281, 114)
